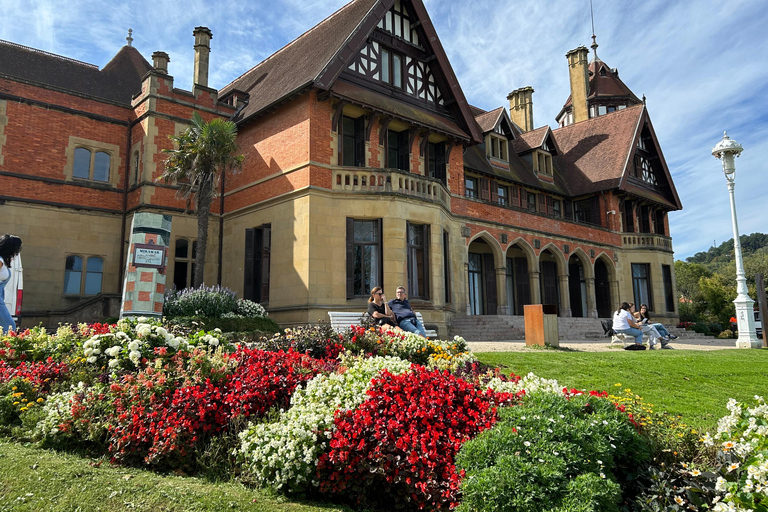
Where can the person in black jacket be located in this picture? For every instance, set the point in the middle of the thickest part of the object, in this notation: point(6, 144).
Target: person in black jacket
point(378, 309)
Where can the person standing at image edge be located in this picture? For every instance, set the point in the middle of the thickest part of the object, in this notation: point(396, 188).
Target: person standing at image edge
point(10, 247)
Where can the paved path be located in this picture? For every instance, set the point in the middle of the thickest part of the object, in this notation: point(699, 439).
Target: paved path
point(597, 346)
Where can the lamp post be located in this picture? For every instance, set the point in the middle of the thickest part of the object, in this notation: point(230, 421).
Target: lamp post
point(726, 151)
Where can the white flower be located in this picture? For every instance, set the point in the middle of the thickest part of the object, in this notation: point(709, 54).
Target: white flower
point(92, 359)
point(133, 346)
point(213, 341)
point(143, 329)
point(113, 363)
point(135, 356)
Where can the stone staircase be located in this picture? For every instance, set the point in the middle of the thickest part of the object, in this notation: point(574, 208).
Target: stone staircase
point(510, 327)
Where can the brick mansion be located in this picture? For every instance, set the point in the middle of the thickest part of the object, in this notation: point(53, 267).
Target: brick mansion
point(364, 165)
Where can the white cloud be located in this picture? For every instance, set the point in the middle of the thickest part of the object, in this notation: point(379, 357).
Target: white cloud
point(697, 62)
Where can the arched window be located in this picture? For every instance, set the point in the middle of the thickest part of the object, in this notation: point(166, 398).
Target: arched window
point(136, 168)
point(94, 269)
point(89, 166)
point(73, 274)
point(82, 167)
point(101, 166)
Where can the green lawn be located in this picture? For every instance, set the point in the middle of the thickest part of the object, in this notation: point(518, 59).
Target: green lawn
point(695, 384)
point(35, 480)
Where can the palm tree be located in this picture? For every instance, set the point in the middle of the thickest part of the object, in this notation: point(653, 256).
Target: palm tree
point(202, 153)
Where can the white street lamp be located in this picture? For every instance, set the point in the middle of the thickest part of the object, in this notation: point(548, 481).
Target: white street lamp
point(726, 150)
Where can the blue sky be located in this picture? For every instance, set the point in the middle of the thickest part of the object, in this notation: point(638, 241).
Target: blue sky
point(698, 62)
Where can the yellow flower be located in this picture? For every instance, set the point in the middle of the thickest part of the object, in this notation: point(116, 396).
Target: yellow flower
point(15, 403)
point(14, 388)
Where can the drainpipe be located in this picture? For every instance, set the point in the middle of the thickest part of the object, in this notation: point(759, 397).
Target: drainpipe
point(125, 208)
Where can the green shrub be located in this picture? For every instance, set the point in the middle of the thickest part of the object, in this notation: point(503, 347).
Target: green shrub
point(727, 335)
point(715, 328)
point(552, 453)
point(211, 302)
point(265, 325)
point(701, 328)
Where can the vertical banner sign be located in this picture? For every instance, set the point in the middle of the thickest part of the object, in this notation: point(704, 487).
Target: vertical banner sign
point(144, 286)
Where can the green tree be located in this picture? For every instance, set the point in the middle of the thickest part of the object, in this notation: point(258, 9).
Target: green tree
point(202, 153)
point(687, 276)
point(718, 292)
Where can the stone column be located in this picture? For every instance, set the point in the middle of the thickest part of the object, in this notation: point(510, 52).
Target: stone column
point(615, 297)
point(144, 286)
point(565, 296)
point(502, 305)
point(535, 287)
point(591, 299)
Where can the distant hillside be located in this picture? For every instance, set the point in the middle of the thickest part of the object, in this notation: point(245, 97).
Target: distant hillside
point(723, 254)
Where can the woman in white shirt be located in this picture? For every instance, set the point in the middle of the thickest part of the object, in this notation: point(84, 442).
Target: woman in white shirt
point(10, 247)
point(624, 322)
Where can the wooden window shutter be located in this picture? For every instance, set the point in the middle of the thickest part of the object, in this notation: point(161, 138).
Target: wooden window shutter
point(360, 141)
point(427, 242)
point(543, 203)
point(523, 199)
point(515, 194)
point(568, 207)
point(266, 249)
point(484, 193)
point(350, 258)
point(404, 151)
point(550, 205)
point(440, 161)
point(250, 235)
point(494, 191)
point(380, 251)
point(595, 207)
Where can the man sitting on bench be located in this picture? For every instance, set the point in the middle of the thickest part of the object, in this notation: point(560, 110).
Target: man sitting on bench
point(404, 315)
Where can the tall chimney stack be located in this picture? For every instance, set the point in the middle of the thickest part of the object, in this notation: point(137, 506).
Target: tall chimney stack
point(203, 38)
point(578, 71)
point(160, 62)
point(521, 107)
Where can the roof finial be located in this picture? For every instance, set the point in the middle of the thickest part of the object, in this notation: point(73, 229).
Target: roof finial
point(129, 38)
point(594, 38)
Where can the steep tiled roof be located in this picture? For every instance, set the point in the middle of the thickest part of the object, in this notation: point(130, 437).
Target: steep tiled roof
point(604, 82)
point(530, 140)
point(488, 120)
point(519, 172)
point(300, 62)
point(118, 81)
point(595, 152)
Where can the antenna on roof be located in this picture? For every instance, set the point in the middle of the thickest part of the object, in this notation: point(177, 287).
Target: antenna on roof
point(594, 38)
point(130, 39)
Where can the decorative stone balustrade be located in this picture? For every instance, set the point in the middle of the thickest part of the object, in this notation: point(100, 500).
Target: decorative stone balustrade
point(367, 180)
point(646, 241)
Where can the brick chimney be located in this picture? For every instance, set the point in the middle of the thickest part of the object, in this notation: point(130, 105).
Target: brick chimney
point(521, 107)
point(203, 38)
point(160, 62)
point(578, 71)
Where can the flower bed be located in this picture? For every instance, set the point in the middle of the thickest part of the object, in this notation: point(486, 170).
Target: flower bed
point(375, 418)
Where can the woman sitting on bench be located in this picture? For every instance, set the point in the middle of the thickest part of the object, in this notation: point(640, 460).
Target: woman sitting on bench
point(624, 323)
point(378, 309)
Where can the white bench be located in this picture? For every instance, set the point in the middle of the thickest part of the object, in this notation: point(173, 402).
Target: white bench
point(626, 339)
point(341, 320)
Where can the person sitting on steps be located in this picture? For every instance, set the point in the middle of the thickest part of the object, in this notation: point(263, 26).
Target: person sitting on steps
point(404, 315)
